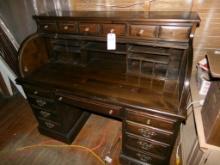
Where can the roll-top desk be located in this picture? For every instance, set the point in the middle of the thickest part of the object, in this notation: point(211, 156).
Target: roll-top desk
point(68, 73)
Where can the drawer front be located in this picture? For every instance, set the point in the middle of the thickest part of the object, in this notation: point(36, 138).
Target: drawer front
point(144, 157)
point(151, 120)
point(41, 102)
point(149, 132)
point(51, 125)
point(174, 33)
point(93, 105)
point(45, 114)
point(118, 29)
point(142, 31)
point(48, 26)
point(35, 91)
point(88, 29)
point(147, 145)
point(66, 27)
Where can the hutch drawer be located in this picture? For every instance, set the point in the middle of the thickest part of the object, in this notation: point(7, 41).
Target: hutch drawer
point(174, 33)
point(149, 132)
point(67, 27)
point(47, 26)
point(118, 29)
point(142, 31)
point(151, 120)
point(88, 28)
point(147, 145)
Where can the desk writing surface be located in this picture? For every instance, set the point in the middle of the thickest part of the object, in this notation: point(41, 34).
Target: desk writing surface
point(118, 87)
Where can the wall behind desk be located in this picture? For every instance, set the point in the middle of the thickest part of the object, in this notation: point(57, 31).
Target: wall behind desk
point(17, 15)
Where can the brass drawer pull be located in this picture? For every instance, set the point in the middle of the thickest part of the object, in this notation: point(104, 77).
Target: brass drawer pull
point(35, 92)
point(145, 145)
point(87, 29)
point(49, 125)
point(41, 103)
point(45, 114)
point(140, 32)
point(146, 132)
point(60, 98)
point(46, 26)
point(111, 112)
point(112, 30)
point(66, 27)
point(143, 157)
point(148, 122)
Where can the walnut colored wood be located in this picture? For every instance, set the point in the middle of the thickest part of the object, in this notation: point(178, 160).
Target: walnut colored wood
point(32, 55)
point(144, 81)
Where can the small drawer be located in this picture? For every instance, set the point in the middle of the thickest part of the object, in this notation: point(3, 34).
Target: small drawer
point(92, 105)
point(88, 29)
point(151, 120)
point(47, 26)
point(41, 102)
point(143, 31)
point(174, 33)
point(149, 132)
point(66, 27)
point(147, 145)
point(45, 114)
point(118, 29)
point(145, 157)
point(48, 124)
point(35, 91)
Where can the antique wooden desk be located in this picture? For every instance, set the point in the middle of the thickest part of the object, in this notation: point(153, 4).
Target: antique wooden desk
point(68, 73)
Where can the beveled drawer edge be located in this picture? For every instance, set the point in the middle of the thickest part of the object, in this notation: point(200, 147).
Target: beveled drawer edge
point(169, 133)
point(147, 153)
point(144, 114)
point(162, 144)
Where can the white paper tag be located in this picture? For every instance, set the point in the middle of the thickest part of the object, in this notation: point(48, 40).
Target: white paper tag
point(111, 41)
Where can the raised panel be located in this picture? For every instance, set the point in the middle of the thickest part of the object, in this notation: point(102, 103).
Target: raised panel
point(174, 33)
point(143, 31)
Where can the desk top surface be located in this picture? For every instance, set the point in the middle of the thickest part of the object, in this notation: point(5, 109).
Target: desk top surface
point(110, 85)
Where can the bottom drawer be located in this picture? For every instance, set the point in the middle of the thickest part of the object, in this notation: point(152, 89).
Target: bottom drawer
point(147, 145)
point(48, 124)
point(145, 157)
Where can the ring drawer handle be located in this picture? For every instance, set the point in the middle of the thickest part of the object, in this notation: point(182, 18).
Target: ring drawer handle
point(44, 114)
point(143, 157)
point(147, 133)
point(41, 103)
point(49, 125)
point(66, 27)
point(46, 26)
point(87, 29)
point(145, 145)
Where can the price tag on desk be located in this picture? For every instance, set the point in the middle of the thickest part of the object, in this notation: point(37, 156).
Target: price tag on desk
point(111, 41)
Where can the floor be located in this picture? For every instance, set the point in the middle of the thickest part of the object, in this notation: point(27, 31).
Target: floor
point(21, 143)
